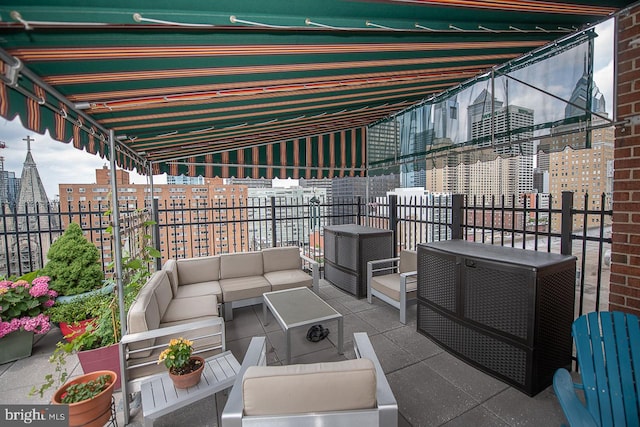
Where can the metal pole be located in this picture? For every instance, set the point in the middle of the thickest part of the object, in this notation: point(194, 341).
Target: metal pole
point(154, 216)
point(566, 225)
point(457, 203)
point(117, 249)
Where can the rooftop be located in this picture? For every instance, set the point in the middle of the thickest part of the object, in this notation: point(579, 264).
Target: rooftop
point(432, 387)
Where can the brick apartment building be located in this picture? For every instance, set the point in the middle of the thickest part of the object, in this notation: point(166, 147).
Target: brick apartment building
point(201, 216)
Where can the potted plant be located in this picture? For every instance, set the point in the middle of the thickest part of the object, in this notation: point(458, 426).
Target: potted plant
point(185, 370)
point(88, 397)
point(74, 263)
point(75, 315)
point(22, 314)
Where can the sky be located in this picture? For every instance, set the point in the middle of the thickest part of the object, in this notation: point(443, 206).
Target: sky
point(60, 163)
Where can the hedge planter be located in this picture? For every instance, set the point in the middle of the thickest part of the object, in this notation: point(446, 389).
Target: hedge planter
point(16, 345)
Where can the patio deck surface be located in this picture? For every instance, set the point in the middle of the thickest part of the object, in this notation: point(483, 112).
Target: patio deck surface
point(432, 387)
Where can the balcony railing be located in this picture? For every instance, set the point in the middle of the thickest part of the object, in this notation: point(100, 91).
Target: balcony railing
point(202, 228)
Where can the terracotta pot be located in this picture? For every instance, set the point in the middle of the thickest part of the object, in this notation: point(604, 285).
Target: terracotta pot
point(190, 379)
point(72, 330)
point(91, 412)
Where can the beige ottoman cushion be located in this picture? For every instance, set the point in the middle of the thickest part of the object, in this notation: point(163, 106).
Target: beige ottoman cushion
point(315, 387)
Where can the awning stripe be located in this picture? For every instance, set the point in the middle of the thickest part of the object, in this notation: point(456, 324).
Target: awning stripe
point(140, 52)
point(520, 6)
point(66, 79)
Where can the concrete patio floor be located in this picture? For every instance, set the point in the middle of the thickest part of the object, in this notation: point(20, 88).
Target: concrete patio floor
point(432, 387)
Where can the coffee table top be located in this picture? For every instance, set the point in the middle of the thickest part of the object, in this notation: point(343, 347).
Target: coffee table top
point(299, 307)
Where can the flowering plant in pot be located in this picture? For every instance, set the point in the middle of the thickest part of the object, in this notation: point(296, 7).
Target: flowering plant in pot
point(23, 304)
point(184, 369)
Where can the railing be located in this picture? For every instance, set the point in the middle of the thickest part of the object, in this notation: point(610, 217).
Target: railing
point(213, 227)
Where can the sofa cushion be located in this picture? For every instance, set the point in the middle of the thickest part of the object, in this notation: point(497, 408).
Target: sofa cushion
point(285, 258)
point(243, 287)
point(408, 261)
point(288, 279)
point(164, 294)
point(197, 270)
point(144, 314)
point(241, 264)
point(315, 387)
point(198, 289)
point(389, 284)
point(171, 268)
point(190, 308)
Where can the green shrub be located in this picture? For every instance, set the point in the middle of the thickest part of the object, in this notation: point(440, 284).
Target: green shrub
point(73, 264)
point(80, 308)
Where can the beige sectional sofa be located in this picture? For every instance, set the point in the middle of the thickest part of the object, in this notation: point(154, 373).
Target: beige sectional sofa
point(239, 279)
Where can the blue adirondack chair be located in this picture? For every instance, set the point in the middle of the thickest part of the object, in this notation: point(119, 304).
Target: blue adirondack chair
point(608, 351)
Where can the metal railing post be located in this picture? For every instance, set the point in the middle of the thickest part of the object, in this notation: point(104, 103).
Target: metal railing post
point(393, 220)
point(156, 230)
point(274, 230)
point(457, 212)
point(566, 223)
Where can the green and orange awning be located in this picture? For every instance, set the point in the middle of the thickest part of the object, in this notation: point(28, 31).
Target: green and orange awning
point(253, 88)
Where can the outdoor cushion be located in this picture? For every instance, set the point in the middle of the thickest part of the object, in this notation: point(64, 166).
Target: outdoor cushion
point(144, 314)
point(284, 258)
point(241, 264)
point(243, 288)
point(315, 387)
point(211, 287)
point(288, 279)
point(389, 284)
point(197, 270)
point(408, 261)
point(191, 308)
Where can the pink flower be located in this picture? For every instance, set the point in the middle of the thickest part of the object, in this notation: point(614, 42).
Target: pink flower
point(48, 303)
point(39, 289)
point(39, 325)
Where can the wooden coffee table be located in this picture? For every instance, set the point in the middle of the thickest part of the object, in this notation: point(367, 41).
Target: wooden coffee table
point(298, 307)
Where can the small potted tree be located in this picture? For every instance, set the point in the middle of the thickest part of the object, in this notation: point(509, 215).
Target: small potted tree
point(74, 263)
point(88, 397)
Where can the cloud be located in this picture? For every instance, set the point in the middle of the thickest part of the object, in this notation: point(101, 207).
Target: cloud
point(57, 162)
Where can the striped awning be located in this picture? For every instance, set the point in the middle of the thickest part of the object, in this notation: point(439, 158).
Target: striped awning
point(253, 88)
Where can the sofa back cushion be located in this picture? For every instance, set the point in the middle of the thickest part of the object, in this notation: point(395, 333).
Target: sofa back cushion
point(198, 270)
point(144, 314)
point(408, 261)
point(314, 387)
point(278, 259)
point(171, 267)
point(240, 264)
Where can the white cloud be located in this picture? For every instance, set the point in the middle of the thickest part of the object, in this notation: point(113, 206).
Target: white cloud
point(58, 163)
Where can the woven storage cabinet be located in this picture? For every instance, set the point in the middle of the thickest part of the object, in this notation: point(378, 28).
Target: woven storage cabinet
point(508, 311)
point(347, 249)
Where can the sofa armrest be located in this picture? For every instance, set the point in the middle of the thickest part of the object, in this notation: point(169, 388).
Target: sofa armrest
point(172, 330)
point(315, 272)
point(255, 356)
point(387, 404)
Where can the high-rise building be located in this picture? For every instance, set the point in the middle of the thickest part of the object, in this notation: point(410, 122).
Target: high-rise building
point(185, 180)
point(199, 214)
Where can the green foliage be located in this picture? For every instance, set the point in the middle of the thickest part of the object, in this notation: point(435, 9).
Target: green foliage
point(73, 263)
point(84, 391)
point(60, 374)
point(81, 308)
